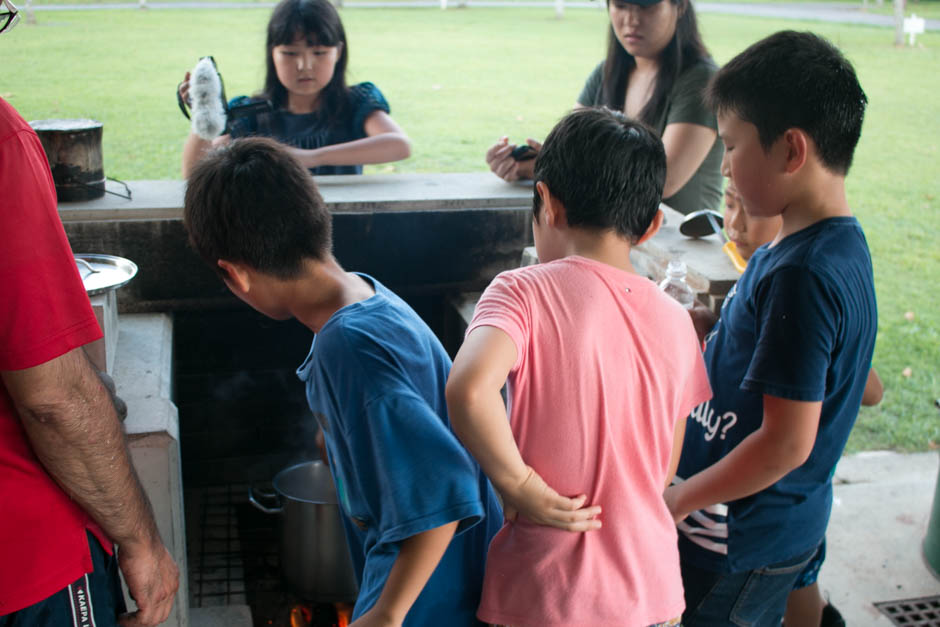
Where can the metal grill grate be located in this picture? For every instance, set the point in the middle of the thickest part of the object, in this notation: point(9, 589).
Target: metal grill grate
point(922, 612)
point(216, 565)
point(233, 558)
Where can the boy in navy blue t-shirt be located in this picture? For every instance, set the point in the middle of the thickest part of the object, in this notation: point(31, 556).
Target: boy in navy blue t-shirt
point(419, 513)
point(790, 355)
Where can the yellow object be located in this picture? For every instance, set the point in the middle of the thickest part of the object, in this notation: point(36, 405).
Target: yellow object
point(736, 259)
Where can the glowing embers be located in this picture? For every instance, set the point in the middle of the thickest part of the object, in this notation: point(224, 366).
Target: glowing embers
point(321, 615)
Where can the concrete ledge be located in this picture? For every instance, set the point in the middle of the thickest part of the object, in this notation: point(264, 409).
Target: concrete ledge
point(223, 616)
point(146, 355)
point(143, 372)
point(149, 416)
point(376, 193)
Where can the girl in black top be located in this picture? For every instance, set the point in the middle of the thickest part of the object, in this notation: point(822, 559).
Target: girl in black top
point(329, 128)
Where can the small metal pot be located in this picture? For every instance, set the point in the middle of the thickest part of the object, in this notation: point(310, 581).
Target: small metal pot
point(314, 555)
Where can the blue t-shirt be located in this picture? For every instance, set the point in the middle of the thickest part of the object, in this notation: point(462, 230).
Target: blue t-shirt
point(314, 130)
point(800, 324)
point(375, 381)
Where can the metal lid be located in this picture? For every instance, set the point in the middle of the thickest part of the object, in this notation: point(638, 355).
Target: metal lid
point(102, 273)
point(66, 125)
point(310, 482)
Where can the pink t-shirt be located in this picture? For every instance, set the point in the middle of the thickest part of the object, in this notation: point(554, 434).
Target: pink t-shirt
point(606, 365)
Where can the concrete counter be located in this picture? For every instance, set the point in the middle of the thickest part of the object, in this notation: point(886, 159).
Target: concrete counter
point(163, 200)
point(143, 377)
point(420, 234)
point(710, 272)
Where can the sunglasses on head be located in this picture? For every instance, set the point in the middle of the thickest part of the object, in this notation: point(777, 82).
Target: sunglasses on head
point(9, 16)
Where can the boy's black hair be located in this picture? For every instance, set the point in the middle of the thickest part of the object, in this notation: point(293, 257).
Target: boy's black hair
point(795, 80)
point(318, 22)
point(607, 170)
point(252, 203)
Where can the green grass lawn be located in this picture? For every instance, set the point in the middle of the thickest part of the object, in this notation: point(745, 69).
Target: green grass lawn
point(923, 8)
point(458, 79)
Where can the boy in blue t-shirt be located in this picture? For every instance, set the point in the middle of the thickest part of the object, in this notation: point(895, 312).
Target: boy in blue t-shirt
point(791, 352)
point(419, 512)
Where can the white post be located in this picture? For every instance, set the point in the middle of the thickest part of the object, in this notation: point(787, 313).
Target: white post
point(914, 26)
point(559, 8)
point(898, 22)
point(30, 16)
point(443, 5)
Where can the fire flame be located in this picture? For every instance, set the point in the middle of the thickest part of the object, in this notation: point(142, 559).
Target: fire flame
point(343, 614)
point(300, 616)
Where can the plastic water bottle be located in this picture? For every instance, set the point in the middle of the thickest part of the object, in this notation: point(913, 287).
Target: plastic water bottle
point(675, 286)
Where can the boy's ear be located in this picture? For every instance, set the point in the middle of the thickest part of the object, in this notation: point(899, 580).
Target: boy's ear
point(553, 212)
point(653, 228)
point(797, 145)
point(237, 278)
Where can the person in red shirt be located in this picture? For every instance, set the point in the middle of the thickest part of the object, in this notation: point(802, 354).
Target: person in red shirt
point(67, 485)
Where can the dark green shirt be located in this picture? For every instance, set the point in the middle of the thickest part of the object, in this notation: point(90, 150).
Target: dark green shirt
point(683, 104)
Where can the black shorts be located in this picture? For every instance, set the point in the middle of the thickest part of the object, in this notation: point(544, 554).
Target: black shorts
point(94, 600)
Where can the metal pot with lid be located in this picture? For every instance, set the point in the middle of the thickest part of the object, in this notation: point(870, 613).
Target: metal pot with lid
point(315, 558)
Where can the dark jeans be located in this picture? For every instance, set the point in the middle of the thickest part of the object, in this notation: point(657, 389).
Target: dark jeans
point(94, 600)
point(754, 598)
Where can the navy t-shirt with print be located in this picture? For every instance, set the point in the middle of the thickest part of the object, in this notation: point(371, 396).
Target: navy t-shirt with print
point(375, 380)
point(314, 130)
point(800, 324)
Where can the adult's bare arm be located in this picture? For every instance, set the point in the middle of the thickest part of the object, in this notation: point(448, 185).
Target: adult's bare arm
point(686, 146)
point(71, 423)
point(499, 159)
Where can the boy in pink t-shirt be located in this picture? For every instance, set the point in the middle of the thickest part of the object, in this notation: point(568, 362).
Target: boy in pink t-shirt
point(602, 369)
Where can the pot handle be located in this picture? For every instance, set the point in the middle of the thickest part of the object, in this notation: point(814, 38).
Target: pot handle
point(264, 495)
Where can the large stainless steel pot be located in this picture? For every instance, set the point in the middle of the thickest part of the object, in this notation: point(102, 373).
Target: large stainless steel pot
point(314, 555)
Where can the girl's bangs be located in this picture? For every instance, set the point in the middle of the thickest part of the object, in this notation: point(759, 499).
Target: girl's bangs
point(312, 27)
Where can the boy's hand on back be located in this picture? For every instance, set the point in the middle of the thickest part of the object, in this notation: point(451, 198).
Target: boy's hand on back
point(534, 499)
point(671, 496)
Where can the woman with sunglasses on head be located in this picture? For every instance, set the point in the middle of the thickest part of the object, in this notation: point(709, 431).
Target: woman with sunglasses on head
point(655, 71)
point(9, 15)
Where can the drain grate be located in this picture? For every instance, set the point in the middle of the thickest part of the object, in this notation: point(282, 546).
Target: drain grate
point(922, 612)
